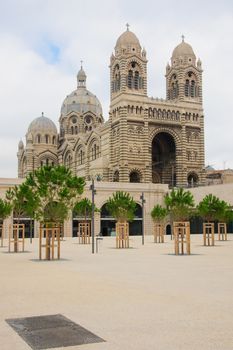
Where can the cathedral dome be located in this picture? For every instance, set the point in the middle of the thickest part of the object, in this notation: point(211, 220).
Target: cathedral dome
point(42, 124)
point(127, 38)
point(81, 100)
point(127, 43)
point(183, 49)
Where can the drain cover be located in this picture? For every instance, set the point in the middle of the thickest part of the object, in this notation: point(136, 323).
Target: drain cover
point(52, 331)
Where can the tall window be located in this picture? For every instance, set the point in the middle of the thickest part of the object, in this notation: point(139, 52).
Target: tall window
point(190, 88)
point(94, 151)
point(46, 138)
point(116, 83)
point(38, 138)
point(134, 80)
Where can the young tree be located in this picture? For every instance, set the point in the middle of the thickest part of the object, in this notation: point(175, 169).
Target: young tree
point(211, 208)
point(84, 208)
point(158, 213)
point(5, 209)
point(180, 204)
point(56, 190)
point(121, 206)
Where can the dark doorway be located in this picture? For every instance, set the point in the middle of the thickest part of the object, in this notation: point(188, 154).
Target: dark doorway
point(192, 180)
point(164, 159)
point(168, 229)
point(108, 223)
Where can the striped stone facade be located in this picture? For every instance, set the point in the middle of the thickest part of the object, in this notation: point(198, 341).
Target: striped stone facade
point(145, 139)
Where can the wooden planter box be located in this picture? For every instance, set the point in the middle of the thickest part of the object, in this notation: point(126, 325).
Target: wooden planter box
point(84, 232)
point(1, 234)
point(208, 233)
point(16, 237)
point(158, 233)
point(181, 231)
point(122, 235)
point(222, 231)
point(49, 240)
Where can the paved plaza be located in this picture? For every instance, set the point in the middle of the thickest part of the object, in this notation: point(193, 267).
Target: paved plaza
point(141, 298)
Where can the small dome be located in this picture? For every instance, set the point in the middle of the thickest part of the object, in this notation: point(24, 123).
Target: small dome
point(183, 49)
point(81, 75)
point(20, 145)
point(127, 38)
point(42, 124)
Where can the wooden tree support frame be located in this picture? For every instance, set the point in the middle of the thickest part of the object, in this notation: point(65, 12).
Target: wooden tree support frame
point(84, 232)
point(16, 237)
point(122, 234)
point(158, 233)
point(181, 232)
point(208, 233)
point(49, 238)
point(1, 234)
point(222, 231)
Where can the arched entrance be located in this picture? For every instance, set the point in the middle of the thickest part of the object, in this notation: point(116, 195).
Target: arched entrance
point(164, 159)
point(107, 223)
point(192, 179)
point(134, 176)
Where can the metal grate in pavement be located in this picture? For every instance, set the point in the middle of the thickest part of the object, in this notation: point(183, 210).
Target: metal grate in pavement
point(52, 331)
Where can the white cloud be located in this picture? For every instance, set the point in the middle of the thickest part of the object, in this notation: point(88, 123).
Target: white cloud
point(30, 83)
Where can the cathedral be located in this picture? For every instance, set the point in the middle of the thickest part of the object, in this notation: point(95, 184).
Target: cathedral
point(144, 140)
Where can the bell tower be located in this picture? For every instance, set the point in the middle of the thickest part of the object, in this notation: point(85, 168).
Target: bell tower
point(184, 75)
point(128, 66)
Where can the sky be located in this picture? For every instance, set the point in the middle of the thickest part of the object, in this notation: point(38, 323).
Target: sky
point(43, 41)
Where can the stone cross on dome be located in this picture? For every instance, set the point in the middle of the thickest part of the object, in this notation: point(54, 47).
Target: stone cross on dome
point(127, 26)
point(182, 36)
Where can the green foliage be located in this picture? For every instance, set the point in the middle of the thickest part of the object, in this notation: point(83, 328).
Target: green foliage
point(158, 213)
point(180, 204)
point(22, 201)
point(121, 206)
point(56, 191)
point(5, 209)
point(211, 208)
point(84, 208)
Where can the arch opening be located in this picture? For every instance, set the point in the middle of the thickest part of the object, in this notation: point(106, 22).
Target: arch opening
point(164, 159)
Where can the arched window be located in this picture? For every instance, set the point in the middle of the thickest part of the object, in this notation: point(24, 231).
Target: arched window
point(116, 83)
point(134, 80)
point(54, 140)
point(116, 176)
point(38, 138)
point(81, 155)
point(46, 138)
point(130, 79)
point(68, 160)
point(94, 151)
point(134, 177)
point(72, 130)
point(186, 89)
point(193, 88)
point(190, 87)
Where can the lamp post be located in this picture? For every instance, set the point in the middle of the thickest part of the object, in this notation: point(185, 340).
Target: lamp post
point(143, 202)
point(93, 192)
